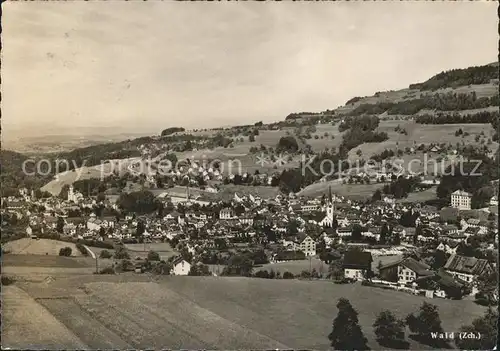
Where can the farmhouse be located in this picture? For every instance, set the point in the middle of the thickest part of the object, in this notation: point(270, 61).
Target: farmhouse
point(405, 272)
point(180, 266)
point(357, 264)
point(308, 246)
point(467, 268)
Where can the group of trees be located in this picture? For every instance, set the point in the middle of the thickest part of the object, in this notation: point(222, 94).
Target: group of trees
point(425, 327)
point(141, 202)
point(365, 123)
point(171, 130)
point(442, 102)
point(459, 77)
point(457, 118)
point(473, 177)
point(401, 187)
point(287, 144)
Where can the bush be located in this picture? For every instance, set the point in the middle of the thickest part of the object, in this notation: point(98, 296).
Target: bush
point(162, 268)
point(82, 249)
point(7, 280)
point(121, 253)
point(107, 270)
point(105, 254)
point(65, 251)
point(153, 256)
point(125, 266)
point(288, 275)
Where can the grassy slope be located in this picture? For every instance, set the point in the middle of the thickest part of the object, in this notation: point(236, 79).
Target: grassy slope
point(230, 313)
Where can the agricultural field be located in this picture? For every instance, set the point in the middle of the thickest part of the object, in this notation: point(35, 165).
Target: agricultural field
point(351, 191)
point(28, 246)
point(421, 196)
point(224, 313)
point(141, 250)
point(422, 134)
point(94, 172)
point(28, 325)
point(323, 141)
point(295, 267)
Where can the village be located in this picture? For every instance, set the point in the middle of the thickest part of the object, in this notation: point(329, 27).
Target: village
point(414, 248)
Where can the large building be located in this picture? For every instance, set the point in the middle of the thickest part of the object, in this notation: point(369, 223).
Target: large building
point(461, 199)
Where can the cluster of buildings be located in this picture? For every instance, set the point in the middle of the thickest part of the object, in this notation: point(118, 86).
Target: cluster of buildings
point(287, 227)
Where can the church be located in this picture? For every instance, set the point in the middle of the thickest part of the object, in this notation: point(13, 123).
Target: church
point(330, 210)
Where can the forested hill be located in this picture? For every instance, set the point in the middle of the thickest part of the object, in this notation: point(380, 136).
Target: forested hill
point(470, 88)
point(460, 77)
point(12, 175)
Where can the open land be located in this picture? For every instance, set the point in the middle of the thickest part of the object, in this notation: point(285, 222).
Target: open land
point(200, 312)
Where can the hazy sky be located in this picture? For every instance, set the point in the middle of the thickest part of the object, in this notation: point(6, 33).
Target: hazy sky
point(145, 66)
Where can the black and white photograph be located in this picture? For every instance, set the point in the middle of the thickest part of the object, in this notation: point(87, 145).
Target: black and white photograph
point(249, 175)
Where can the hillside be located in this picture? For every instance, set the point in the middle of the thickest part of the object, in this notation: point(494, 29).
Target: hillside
point(422, 113)
point(210, 312)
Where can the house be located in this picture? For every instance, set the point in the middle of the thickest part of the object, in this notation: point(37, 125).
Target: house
point(226, 213)
point(308, 246)
point(405, 271)
point(461, 199)
point(449, 248)
point(246, 219)
point(344, 232)
point(389, 199)
point(443, 285)
point(180, 267)
point(494, 201)
point(357, 264)
point(467, 268)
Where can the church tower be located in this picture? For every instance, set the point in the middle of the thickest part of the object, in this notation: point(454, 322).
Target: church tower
point(330, 207)
point(71, 195)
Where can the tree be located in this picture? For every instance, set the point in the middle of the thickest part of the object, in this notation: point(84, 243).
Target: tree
point(121, 253)
point(335, 270)
point(487, 285)
point(346, 333)
point(486, 326)
point(439, 259)
point(377, 195)
point(105, 254)
point(389, 330)
point(153, 256)
point(60, 225)
point(425, 323)
point(384, 233)
point(251, 138)
point(356, 232)
point(288, 275)
point(239, 264)
point(141, 228)
point(199, 270)
point(65, 251)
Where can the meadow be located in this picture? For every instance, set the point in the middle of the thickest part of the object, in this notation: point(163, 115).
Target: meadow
point(230, 313)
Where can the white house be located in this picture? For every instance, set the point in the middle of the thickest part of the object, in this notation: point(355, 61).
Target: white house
point(180, 267)
point(461, 199)
point(226, 213)
point(308, 246)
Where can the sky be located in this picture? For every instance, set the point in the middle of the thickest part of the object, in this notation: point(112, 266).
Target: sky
point(144, 66)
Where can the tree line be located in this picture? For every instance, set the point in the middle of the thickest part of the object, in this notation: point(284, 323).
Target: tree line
point(459, 77)
point(443, 102)
point(457, 118)
point(425, 327)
